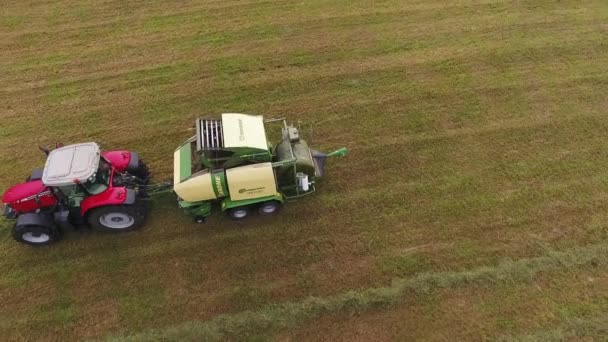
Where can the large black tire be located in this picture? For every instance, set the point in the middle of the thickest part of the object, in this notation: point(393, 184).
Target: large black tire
point(238, 213)
point(34, 235)
point(142, 172)
point(269, 208)
point(117, 218)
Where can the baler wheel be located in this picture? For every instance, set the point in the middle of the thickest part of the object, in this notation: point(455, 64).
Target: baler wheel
point(238, 213)
point(269, 208)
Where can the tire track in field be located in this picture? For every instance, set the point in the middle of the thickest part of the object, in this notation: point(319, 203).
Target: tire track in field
point(290, 314)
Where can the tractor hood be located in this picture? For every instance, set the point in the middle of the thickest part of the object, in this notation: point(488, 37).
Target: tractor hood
point(244, 131)
point(22, 191)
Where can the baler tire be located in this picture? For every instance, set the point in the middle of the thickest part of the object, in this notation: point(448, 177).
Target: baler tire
point(123, 217)
point(269, 208)
point(238, 213)
point(35, 235)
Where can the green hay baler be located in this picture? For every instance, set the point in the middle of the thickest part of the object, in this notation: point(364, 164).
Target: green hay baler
point(231, 161)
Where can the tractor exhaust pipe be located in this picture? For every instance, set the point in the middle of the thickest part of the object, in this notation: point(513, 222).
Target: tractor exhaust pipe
point(44, 150)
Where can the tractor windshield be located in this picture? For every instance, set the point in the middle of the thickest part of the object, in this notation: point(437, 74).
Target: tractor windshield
point(100, 181)
point(103, 174)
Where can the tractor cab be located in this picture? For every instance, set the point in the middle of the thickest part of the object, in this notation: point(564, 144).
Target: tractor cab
point(77, 169)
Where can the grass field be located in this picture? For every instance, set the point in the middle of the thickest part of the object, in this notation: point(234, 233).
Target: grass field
point(473, 203)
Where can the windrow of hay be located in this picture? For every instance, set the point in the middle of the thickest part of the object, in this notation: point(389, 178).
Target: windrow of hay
point(292, 313)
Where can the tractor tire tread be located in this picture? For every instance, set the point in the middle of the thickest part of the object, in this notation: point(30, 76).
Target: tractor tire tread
point(54, 234)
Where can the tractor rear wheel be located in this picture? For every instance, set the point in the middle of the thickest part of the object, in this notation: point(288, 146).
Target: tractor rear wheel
point(35, 235)
point(269, 208)
point(238, 213)
point(117, 218)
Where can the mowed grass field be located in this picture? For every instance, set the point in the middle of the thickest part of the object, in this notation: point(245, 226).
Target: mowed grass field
point(473, 204)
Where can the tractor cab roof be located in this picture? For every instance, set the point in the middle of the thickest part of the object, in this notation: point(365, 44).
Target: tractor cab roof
point(71, 164)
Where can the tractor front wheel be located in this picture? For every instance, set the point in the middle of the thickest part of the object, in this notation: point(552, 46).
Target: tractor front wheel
point(117, 218)
point(35, 235)
point(238, 213)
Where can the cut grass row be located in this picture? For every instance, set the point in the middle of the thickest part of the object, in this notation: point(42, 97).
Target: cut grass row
point(286, 315)
point(478, 311)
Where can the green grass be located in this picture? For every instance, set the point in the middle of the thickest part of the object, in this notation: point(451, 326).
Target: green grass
point(476, 135)
point(11, 22)
point(403, 265)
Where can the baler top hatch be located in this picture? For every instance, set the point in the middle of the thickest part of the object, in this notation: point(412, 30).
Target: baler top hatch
point(244, 131)
point(233, 131)
point(69, 164)
point(209, 135)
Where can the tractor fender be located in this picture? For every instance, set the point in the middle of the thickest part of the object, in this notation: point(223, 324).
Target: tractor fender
point(120, 160)
point(112, 196)
point(133, 162)
point(35, 219)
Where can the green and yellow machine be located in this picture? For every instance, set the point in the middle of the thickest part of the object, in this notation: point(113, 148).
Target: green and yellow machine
point(231, 162)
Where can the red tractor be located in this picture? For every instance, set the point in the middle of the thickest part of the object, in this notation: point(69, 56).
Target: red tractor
point(79, 185)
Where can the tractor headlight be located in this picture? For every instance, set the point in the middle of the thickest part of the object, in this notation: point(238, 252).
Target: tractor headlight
point(8, 212)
